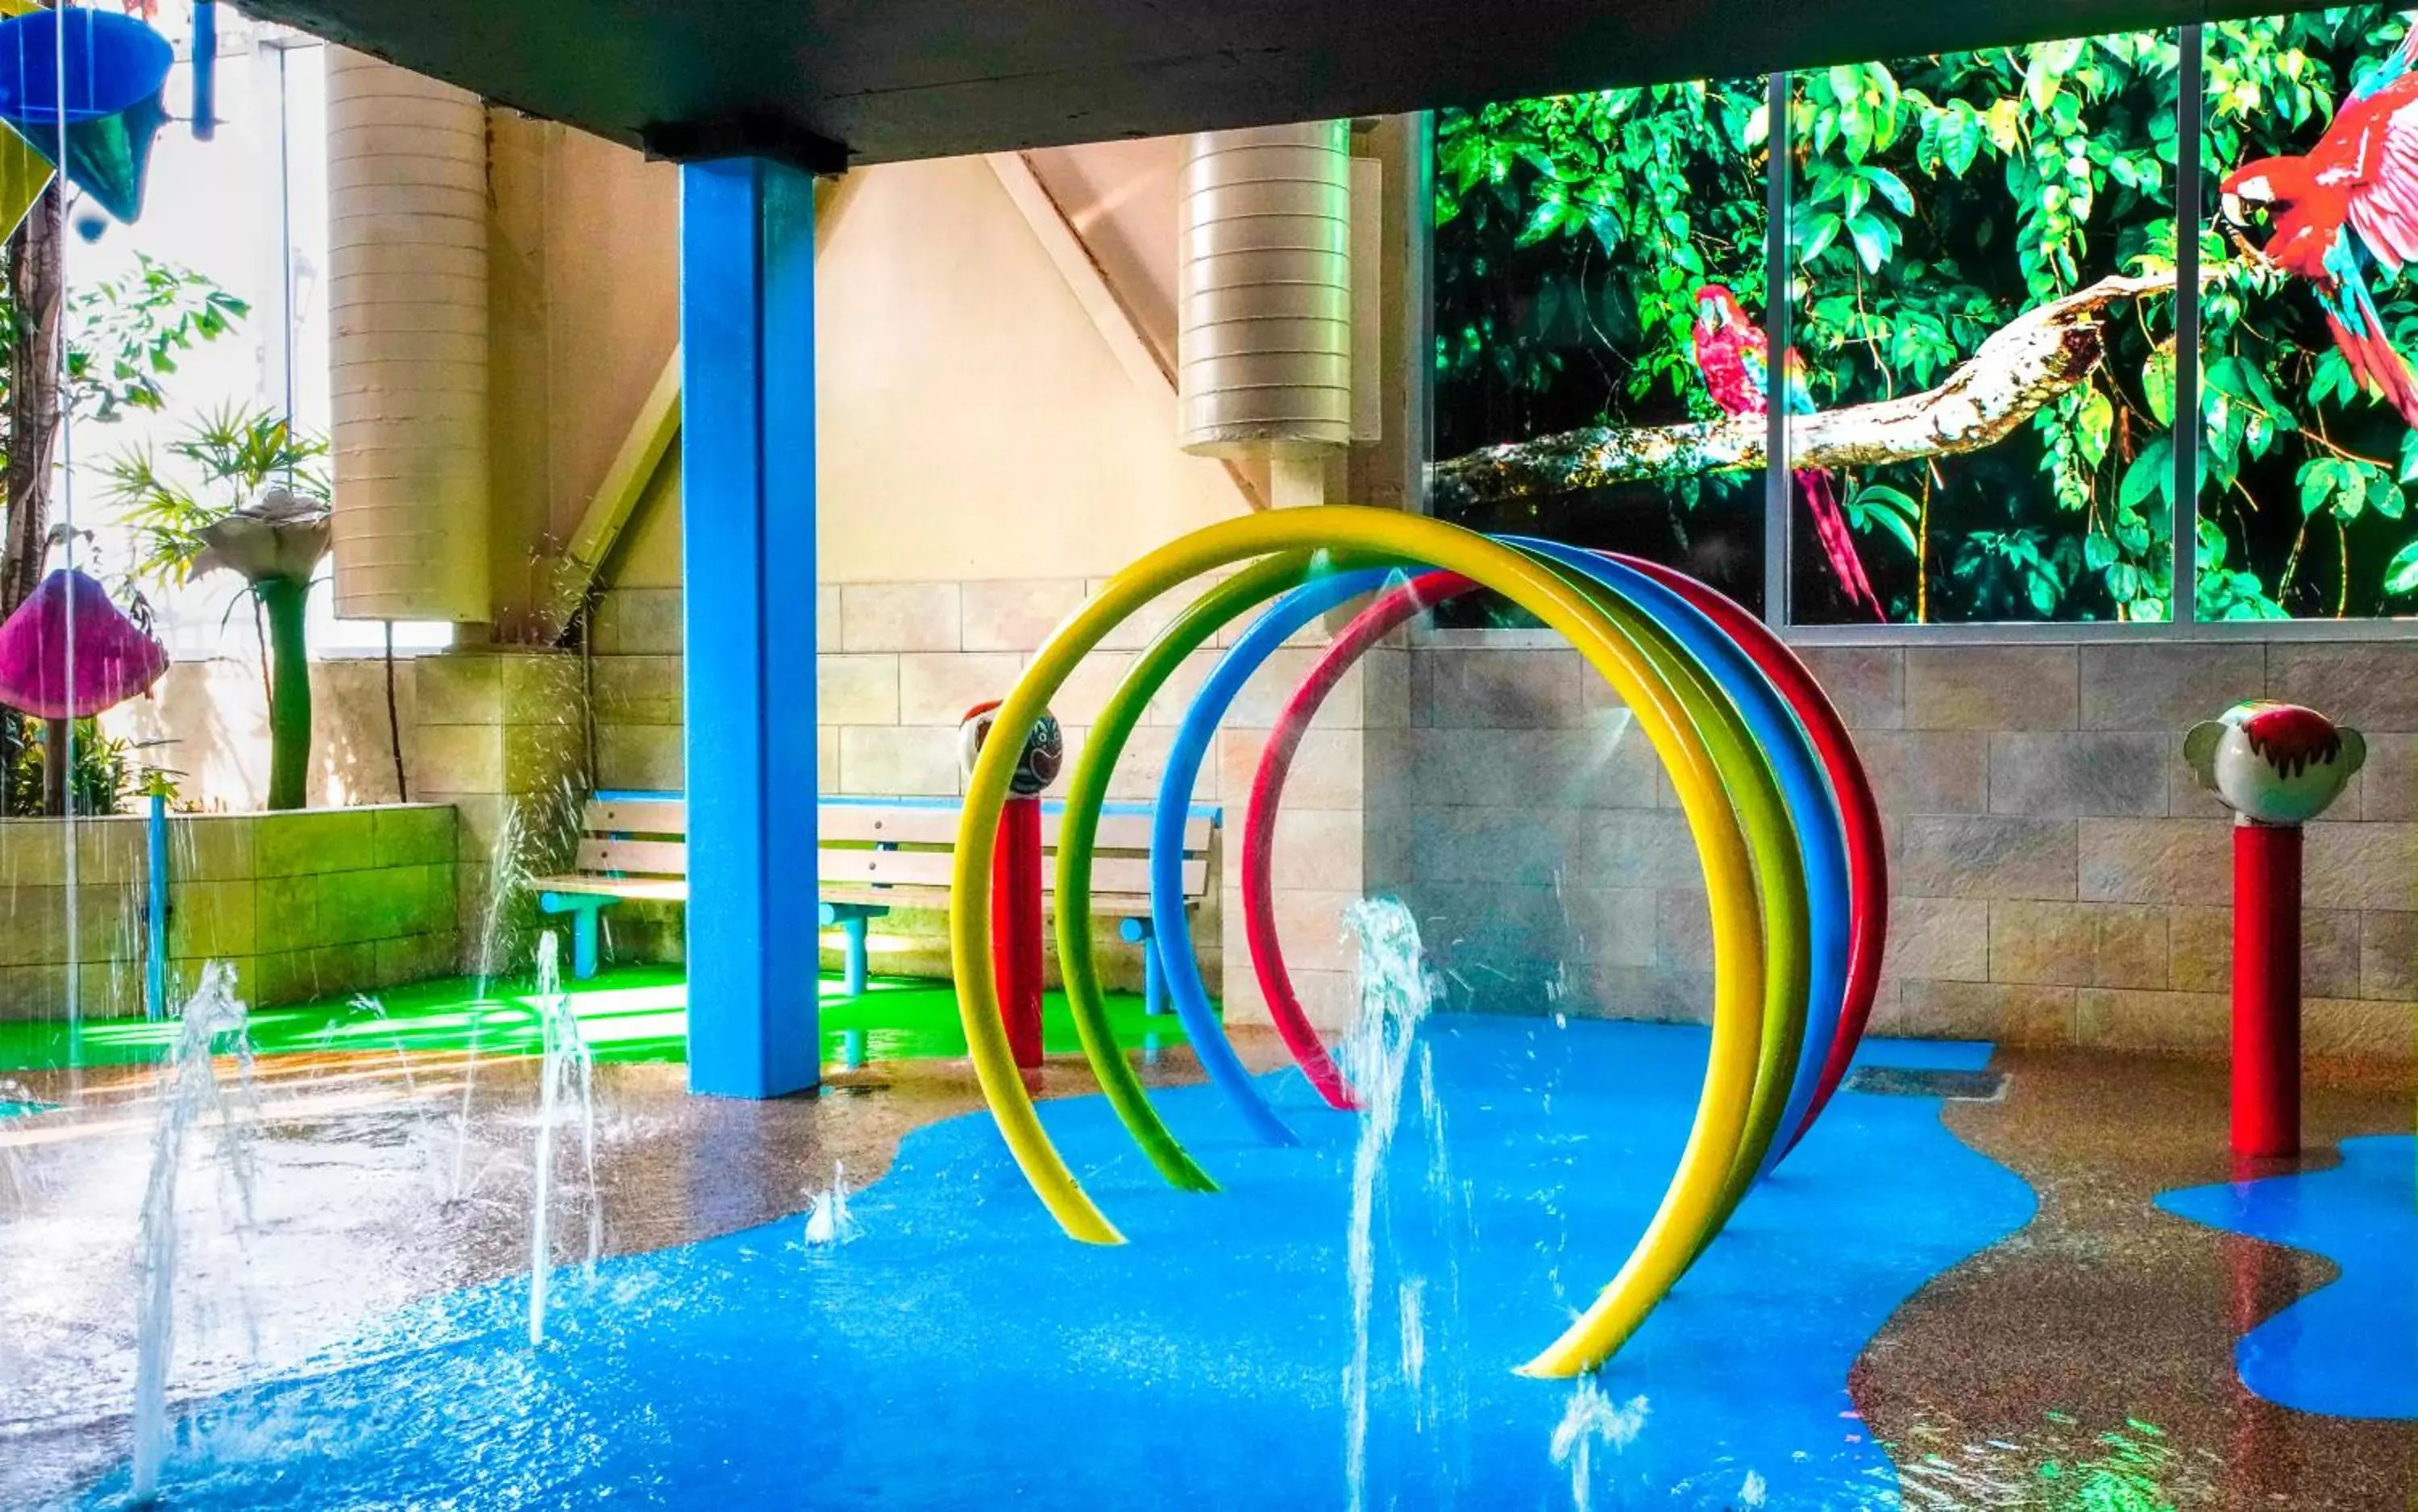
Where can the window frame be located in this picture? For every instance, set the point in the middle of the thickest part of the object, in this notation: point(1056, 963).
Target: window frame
point(2181, 625)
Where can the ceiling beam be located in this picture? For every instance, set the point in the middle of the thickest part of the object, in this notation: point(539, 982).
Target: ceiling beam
point(815, 82)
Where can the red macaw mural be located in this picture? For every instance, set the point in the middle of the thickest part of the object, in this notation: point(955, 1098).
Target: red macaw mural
point(1734, 360)
point(2347, 210)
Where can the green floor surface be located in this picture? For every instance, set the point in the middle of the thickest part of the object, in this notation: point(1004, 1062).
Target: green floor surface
point(637, 1013)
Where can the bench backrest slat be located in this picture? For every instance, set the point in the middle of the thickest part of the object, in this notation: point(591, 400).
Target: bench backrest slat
point(903, 845)
point(886, 825)
point(637, 816)
point(634, 857)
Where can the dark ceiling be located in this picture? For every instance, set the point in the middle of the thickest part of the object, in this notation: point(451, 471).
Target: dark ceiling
point(890, 79)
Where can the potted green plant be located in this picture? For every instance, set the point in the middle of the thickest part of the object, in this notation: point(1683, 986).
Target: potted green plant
point(260, 510)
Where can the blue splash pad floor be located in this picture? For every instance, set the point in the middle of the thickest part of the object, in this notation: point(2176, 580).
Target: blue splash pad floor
point(961, 1353)
point(2350, 1348)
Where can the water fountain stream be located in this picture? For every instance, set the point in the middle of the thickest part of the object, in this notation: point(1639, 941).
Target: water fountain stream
point(508, 877)
point(214, 1022)
point(1395, 996)
point(566, 1071)
point(827, 1222)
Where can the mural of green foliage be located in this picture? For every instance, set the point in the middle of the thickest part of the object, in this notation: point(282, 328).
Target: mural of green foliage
point(1939, 196)
point(1571, 236)
point(1931, 200)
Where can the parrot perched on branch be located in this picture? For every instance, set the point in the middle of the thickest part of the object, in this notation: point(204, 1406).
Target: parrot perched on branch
point(2346, 211)
point(1734, 360)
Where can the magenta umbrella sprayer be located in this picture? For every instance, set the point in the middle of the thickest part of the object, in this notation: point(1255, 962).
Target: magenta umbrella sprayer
point(67, 654)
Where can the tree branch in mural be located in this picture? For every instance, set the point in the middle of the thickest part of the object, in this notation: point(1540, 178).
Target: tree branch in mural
point(2023, 365)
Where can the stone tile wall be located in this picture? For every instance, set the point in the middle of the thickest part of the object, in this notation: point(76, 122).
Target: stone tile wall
point(2057, 877)
point(635, 677)
point(502, 735)
point(315, 904)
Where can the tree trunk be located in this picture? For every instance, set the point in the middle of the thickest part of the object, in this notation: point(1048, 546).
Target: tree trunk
point(289, 698)
point(58, 785)
point(37, 289)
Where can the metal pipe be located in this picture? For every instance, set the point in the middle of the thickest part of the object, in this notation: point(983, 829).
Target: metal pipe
point(408, 299)
point(1264, 308)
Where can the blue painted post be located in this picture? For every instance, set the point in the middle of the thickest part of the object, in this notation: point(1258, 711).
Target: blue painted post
point(1143, 932)
point(747, 516)
point(854, 967)
point(583, 943)
point(155, 962)
point(206, 70)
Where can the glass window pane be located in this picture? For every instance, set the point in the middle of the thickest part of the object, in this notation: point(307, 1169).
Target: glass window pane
point(2307, 446)
point(1941, 201)
point(1573, 236)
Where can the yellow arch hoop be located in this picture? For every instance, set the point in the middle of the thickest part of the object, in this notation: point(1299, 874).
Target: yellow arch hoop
point(1699, 1196)
point(1780, 877)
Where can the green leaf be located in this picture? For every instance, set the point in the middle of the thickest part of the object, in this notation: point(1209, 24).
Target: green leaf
point(2044, 73)
point(1897, 526)
point(1891, 187)
point(2316, 480)
point(1820, 231)
point(1542, 222)
point(2152, 471)
point(2401, 573)
point(1961, 143)
point(1879, 507)
point(2096, 426)
point(2332, 380)
point(1871, 240)
point(2158, 383)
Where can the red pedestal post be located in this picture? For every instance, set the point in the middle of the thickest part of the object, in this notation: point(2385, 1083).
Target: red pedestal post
point(1015, 925)
point(2266, 989)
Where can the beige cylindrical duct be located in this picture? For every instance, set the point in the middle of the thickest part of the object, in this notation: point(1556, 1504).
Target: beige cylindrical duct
point(407, 307)
point(1263, 333)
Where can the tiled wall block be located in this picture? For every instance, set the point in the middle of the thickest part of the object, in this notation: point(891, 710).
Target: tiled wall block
point(637, 664)
point(308, 904)
point(502, 737)
point(2056, 877)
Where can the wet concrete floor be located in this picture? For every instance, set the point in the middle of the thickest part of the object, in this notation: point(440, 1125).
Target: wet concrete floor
point(366, 1195)
point(2098, 1339)
point(2105, 1313)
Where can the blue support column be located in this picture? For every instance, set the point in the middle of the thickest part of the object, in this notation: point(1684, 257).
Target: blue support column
point(747, 531)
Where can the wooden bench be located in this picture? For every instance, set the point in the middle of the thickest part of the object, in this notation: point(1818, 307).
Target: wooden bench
point(880, 853)
point(874, 854)
point(632, 846)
